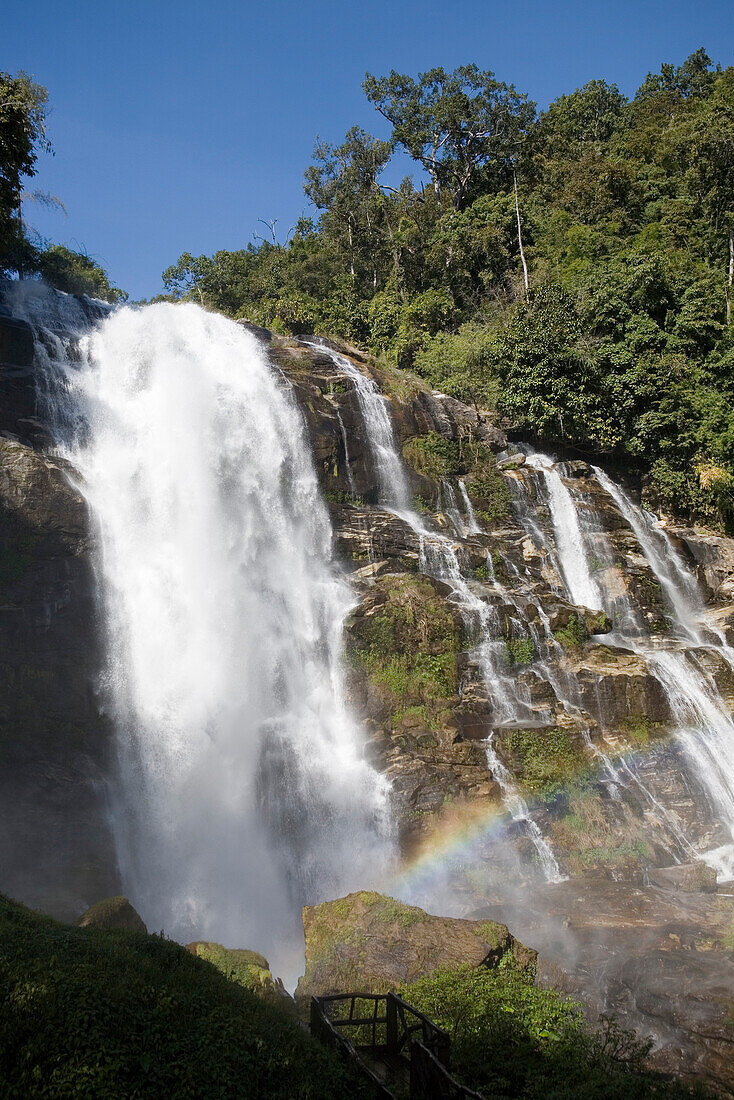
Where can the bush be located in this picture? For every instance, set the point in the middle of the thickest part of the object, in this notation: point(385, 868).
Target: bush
point(511, 1039)
point(98, 1013)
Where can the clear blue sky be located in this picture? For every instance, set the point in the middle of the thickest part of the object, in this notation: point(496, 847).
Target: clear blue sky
point(176, 125)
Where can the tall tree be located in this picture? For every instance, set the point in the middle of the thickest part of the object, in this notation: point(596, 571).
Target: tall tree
point(461, 126)
point(22, 136)
point(344, 182)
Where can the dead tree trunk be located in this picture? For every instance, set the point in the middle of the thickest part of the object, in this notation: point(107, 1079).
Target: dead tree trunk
point(519, 241)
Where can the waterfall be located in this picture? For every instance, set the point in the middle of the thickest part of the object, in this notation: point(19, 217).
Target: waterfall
point(439, 559)
point(392, 483)
point(569, 538)
point(705, 729)
point(474, 528)
point(241, 792)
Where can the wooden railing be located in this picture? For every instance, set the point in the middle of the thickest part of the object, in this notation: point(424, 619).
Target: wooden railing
point(385, 1028)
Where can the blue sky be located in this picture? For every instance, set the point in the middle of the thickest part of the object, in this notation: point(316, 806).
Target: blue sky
point(176, 125)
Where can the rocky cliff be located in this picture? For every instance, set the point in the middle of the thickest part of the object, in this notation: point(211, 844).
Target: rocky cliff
point(515, 655)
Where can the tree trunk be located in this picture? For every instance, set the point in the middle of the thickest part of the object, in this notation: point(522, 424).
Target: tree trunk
point(20, 240)
point(730, 280)
point(519, 241)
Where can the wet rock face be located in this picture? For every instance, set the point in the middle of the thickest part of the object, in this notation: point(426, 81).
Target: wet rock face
point(55, 750)
point(658, 957)
point(370, 942)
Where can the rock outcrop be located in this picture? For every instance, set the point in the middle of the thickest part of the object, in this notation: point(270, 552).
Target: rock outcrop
point(373, 943)
point(247, 968)
point(112, 913)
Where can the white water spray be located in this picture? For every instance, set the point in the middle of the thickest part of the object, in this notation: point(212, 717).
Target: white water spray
point(569, 538)
point(241, 792)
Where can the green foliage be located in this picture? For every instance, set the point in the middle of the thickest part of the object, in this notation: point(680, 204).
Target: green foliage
point(433, 456)
point(618, 855)
point(520, 650)
point(462, 126)
point(409, 644)
point(624, 341)
point(22, 136)
point(545, 761)
point(102, 1014)
point(511, 1039)
point(76, 273)
point(573, 634)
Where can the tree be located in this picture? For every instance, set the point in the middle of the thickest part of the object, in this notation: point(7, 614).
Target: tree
point(707, 148)
point(590, 114)
point(344, 183)
point(77, 273)
point(22, 136)
point(461, 126)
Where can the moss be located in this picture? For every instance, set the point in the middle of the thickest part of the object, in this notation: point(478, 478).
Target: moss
point(640, 730)
point(573, 634)
point(545, 761)
point(389, 911)
point(492, 933)
point(247, 968)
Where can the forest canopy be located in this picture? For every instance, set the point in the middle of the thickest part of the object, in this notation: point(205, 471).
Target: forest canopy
point(572, 267)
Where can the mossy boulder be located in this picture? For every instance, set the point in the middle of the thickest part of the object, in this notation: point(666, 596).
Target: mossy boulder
point(115, 913)
point(370, 942)
point(247, 968)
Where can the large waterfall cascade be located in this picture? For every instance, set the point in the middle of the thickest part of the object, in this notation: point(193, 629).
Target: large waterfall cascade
point(241, 790)
point(704, 726)
point(439, 559)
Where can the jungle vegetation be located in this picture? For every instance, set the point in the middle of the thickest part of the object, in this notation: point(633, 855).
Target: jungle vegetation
point(571, 267)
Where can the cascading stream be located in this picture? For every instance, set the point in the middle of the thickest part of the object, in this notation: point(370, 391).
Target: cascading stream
point(569, 537)
point(241, 792)
point(438, 558)
point(705, 726)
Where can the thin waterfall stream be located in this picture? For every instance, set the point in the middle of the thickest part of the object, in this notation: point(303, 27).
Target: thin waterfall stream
point(439, 559)
point(704, 725)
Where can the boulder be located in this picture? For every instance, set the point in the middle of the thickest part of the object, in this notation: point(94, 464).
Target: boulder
point(689, 878)
point(247, 968)
point(373, 943)
point(115, 913)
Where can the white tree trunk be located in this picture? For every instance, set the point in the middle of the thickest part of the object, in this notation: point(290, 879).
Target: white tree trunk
point(519, 241)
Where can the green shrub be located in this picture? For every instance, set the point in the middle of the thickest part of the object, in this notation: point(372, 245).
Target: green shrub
point(97, 1014)
point(573, 634)
point(511, 1039)
point(520, 651)
point(433, 456)
point(409, 644)
point(545, 761)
